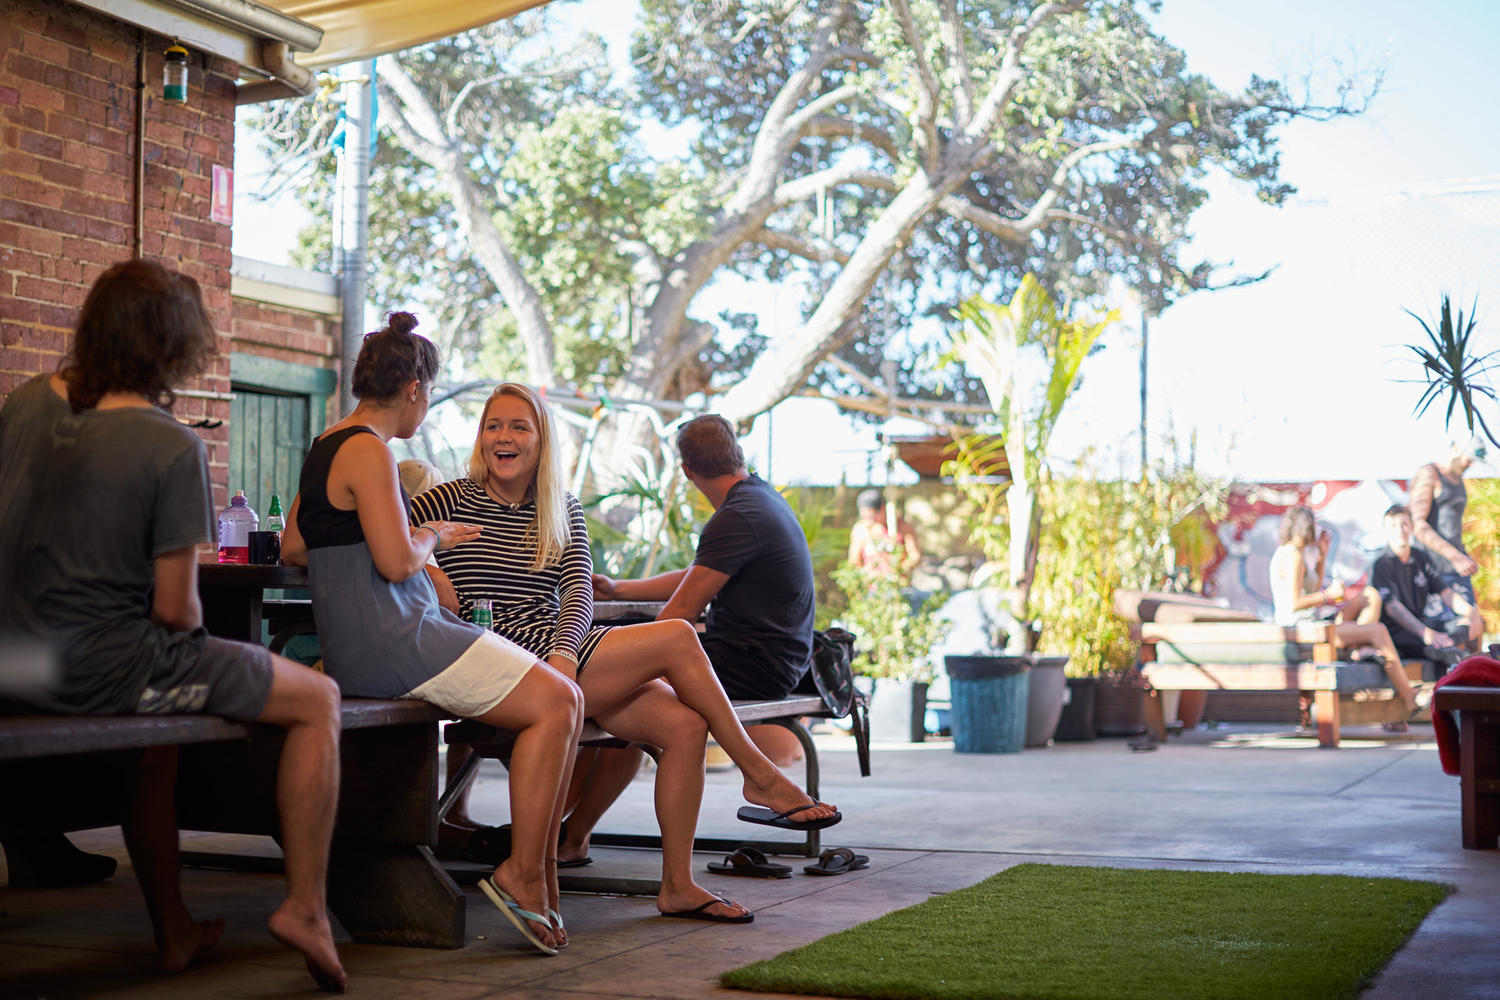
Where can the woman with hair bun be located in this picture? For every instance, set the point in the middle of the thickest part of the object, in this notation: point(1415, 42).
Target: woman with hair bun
point(385, 636)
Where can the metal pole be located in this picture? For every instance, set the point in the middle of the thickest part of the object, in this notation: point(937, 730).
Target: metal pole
point(1145, 338)
point(354, 233)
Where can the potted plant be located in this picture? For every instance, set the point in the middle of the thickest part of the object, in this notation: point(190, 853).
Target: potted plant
point(998, 342)
point(892, 650)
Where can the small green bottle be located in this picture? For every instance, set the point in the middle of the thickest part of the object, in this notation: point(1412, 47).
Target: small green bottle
point(275, 519)
point(484, 615)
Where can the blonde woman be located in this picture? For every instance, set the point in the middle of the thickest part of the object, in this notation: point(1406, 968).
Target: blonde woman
point(648, 683)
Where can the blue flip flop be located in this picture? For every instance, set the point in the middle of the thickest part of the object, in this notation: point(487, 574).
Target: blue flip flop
point(517, 914)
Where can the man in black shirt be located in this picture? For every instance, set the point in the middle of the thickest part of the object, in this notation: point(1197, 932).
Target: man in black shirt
point(1411, 590)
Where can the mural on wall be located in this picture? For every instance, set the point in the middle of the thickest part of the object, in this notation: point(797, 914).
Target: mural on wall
point(1349, 509)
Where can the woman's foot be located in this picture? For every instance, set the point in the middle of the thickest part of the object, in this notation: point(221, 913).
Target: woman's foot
point(531, 893)
point(781, 795)
point(693, 899)
point(178, 947)
point(307, 931)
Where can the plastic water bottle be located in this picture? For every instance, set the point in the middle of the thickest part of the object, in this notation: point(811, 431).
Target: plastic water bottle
point(235, 524)
point(275, 520)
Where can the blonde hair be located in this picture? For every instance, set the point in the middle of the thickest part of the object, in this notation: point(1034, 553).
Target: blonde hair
point(550, 528)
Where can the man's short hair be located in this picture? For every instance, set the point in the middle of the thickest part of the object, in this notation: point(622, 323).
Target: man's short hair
point(708, 447)
point(1397, 510)
point(870, 500)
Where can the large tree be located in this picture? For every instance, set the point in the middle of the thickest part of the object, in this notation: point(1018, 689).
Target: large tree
point(897, 156)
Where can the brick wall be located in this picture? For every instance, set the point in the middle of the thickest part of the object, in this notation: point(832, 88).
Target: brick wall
point(67, 185)
point(286, 314)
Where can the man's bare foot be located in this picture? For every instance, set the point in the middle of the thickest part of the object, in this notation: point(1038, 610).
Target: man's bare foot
point(307, 930)
point(176, 949)
point(531, 892)
point(570, 849)
point(780, 794)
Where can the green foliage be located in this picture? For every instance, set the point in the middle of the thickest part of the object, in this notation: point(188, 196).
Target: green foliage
point(1451, 366)
point(662, 515)
point(893, 640)
point(1106, 535)
point(1482, 541)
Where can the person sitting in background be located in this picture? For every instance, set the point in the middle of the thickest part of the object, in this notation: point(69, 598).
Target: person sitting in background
point(878, 546)
point(1412, 589)
point(1298, 596)
point(1437, 500)
point(385, 636)
point(532, 562)
point(104, 502)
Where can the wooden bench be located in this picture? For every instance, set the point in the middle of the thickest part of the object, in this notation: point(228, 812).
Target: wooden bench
point(1478, 711)
point(73, 773)
point(1255, 656)
point(494, 744)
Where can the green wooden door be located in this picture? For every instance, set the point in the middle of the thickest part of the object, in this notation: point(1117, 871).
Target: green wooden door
point(277, 409)
point(267, 439)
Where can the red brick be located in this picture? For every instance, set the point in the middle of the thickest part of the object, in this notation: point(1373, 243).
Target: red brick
point(110, 232)
point(64, 127)
point(45, 49)
point(46, 339)
point(21, 164)
point(10, 95)
point(93, 252)
point(40, 216)
point(37, 96)
point(26, 68)
point(42, 145)
point(24, 189)
point(67, 31)
point(28, 117)
point(39, 240)
point(36, 288)
point(56, 315)
point(10, 333)
point(22, 310)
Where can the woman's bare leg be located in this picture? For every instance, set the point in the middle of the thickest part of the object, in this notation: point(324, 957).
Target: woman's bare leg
point(546, 711)
point(599, 777)
point(1354, 635)
point(654, 715)
point(630, 656)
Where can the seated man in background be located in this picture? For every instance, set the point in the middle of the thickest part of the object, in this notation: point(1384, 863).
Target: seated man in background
point(753, 564)
point(875, 546)
point(1409, 584)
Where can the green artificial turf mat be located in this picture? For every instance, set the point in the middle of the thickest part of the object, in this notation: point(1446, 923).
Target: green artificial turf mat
point(1052, 932)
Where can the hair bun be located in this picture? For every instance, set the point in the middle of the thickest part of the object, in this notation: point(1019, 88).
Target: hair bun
point(401, 322)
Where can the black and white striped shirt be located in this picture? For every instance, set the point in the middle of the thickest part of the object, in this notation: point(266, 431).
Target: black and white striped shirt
point(545, 612)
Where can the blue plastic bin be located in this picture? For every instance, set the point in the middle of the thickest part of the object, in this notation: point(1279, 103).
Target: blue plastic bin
point(989, 696)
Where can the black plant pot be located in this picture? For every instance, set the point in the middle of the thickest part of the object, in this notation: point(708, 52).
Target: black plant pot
point(1077, 721)
point(1119, 709)
point(898, 711)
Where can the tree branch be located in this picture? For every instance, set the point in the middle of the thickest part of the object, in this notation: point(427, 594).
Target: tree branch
point(805, 249)
point(847, 128)
point(927, 94)
point(961, 76)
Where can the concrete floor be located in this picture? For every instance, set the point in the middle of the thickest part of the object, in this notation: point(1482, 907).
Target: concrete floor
point(1236, 798)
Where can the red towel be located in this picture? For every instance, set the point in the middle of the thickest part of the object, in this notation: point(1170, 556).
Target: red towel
point(1476, 671)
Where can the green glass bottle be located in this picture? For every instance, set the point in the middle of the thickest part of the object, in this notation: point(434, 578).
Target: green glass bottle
point(275, 519)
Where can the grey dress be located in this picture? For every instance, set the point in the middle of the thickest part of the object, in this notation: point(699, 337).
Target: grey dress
point(380, 639)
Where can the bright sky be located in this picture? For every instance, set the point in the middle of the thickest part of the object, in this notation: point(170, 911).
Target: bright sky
point(1294, 377)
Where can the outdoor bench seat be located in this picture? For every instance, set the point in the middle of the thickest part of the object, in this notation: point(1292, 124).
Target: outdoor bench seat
point(64, 773)
point(1256, 656)
point(1478, 711)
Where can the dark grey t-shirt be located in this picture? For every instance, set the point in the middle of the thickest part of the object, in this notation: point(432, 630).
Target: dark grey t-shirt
point(87, 502)
point(764, 614)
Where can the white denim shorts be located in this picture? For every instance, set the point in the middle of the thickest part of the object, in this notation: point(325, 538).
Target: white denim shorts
point(478, 680)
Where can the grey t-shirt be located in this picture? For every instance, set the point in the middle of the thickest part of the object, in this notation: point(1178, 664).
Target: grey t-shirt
point(87, 502)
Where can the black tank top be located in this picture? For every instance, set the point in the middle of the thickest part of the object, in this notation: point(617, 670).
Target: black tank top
point(1446, 515)
point(321, 523)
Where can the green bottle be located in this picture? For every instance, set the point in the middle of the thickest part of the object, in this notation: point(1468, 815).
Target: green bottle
point(275, 520)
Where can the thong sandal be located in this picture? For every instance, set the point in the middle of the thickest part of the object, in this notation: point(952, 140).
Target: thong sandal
point(751, 863)
point(517, 914)
point(701, 913)
point(837, 861)
point(765, 817)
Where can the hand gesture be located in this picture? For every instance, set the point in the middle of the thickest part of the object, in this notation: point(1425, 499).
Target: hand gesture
point(1325, 539)
point(604, 587)
point(1436, 639)
point(1333, 592)
point(450, 533)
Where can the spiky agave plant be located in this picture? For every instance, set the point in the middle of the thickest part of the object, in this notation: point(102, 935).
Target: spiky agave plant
point(1451, 367)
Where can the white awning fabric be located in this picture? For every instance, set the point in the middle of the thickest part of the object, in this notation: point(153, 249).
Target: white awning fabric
point(359, 29)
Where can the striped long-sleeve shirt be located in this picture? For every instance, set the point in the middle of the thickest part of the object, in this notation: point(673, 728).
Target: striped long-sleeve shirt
point(548, 611)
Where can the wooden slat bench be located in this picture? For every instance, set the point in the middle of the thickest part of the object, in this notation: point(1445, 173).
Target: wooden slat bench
point(72, 773)
point(1255, 656)
point(1478, 711)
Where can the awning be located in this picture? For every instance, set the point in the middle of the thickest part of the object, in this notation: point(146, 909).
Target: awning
point(359, 29)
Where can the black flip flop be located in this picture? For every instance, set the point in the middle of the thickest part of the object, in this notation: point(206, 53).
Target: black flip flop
point(701, 913)
point(765, 817)
point(837, 861)
point(751, 863)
